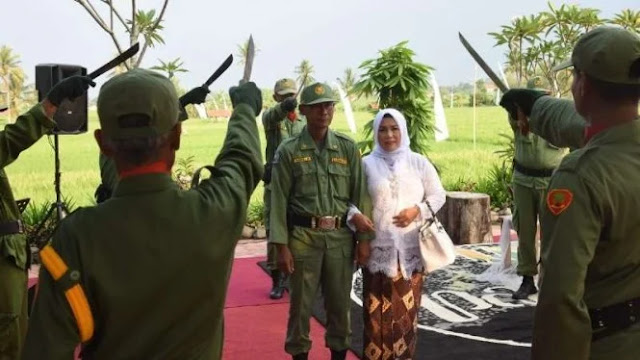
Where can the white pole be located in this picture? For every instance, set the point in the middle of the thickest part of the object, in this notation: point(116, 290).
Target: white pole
point(451, 104)
point(475, 75)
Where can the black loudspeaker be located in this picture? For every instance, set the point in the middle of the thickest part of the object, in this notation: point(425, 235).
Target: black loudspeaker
point(71, 116)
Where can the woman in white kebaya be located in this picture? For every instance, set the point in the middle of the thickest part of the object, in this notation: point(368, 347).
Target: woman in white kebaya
point(400, 183)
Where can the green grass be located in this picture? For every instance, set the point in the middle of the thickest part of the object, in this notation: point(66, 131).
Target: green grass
point(32, 175)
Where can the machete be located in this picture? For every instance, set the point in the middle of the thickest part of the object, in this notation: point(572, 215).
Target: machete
point(115, 61)
point(487, 70)
point(219, 71)
point(248, 64)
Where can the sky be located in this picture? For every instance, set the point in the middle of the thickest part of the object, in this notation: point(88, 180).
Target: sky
point(332, 34)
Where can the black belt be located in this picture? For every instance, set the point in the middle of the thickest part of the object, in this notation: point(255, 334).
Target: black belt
point(532, 172)
point(11, 227)
point(610, 319)
point(318, 222)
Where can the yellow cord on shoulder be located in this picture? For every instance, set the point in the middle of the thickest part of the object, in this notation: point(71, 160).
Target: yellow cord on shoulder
point(75, 295)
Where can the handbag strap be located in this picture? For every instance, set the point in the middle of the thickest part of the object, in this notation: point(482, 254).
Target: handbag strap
point(433, 214)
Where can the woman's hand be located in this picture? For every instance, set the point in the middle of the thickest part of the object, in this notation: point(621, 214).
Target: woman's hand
point(363, 252)
point(406, 216)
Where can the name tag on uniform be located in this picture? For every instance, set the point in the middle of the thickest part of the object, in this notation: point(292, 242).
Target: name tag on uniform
point(338, 160)
point(302, 159)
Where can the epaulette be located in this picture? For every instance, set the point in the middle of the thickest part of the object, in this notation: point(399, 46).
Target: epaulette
point(289, 139)
point(344, 136)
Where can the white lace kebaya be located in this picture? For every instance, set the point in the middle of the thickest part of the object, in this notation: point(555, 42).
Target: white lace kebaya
point(398, 180)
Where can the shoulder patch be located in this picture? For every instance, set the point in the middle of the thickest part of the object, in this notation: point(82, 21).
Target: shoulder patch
point(558, 200)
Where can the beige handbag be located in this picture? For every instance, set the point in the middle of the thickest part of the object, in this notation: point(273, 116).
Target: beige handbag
point(436, 248)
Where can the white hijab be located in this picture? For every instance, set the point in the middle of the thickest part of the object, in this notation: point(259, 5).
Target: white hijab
point(390, 157)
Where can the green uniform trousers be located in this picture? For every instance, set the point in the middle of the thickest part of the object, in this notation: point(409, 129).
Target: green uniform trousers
point(272, 255)
point(13, 318)
point(331, 270)
point(528, 204)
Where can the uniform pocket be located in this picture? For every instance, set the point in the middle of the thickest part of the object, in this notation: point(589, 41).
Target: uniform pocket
point(340, 178)
point(306, 180)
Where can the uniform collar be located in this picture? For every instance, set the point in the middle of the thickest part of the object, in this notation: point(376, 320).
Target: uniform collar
point(153, 168)
point(307, 142)
point(615, 133)
point(141, 184)
point(594, 129)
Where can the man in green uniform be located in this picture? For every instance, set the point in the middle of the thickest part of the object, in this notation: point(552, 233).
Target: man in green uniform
point(316, 176)
point(590, 286)
point(14, 250)
point(154, 260)
point(280, 122)
point(533, 163)
point(108, 171)
point(555, 120)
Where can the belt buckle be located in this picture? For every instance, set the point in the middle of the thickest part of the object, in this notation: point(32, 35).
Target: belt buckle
point(20, 227)
point(326, 223)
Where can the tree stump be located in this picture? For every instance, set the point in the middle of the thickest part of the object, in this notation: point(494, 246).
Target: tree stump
point(467, 217)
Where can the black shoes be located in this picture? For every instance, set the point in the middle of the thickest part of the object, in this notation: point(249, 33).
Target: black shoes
point(279, 285)
point(335, 355)
point(526, 288)
point(301, 356)
point(338, 355)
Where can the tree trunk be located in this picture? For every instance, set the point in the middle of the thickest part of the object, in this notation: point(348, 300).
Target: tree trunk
point(467, 217)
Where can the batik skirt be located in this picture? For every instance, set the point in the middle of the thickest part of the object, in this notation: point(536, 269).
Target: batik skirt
point(390, 315)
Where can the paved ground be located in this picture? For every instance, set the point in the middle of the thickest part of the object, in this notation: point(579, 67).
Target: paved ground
point(258, 247)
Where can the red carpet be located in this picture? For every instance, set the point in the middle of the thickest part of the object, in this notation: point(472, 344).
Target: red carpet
point(249, 285)
point(256, 326)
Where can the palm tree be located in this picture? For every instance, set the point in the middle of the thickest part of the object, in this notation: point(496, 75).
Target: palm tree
point(170, 67)
point(11, 76)
point(304, 71)
point(348, 80)
point(628, 19)
point(149, 27)
point(16, 92)
point(522, 30)
point(147, 24)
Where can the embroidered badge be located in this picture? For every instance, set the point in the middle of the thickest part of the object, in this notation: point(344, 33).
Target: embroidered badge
point(319, 90)
point(342, 161)
point(558, 200)
point(302, 159)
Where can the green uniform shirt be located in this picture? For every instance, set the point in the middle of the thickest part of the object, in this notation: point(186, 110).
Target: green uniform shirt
point(154, 262)
point(557, 121)
point(590, 252)
point(278, 127)
point(533, 152)
point(316, 182)
point(15, 138)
